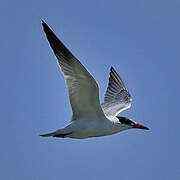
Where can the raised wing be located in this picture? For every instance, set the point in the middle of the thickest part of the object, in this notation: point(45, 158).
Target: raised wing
point(82, 88)
point(117, 97)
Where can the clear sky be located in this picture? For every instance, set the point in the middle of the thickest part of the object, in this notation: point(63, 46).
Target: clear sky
point(140, 39)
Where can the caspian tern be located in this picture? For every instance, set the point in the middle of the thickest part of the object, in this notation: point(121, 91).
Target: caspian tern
point(89, 117)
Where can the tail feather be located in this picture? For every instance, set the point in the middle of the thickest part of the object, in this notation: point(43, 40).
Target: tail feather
point(55, 134)
point(48, 134)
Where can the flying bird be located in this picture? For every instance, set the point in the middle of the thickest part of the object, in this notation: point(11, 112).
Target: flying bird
point(89, 117)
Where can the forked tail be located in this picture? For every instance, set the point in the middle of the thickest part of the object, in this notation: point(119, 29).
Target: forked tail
point(48, 134)
point(55, 134)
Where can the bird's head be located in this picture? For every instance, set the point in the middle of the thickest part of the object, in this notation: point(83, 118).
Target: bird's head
point(129, 124)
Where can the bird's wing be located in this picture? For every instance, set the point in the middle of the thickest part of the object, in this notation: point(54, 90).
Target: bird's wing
point(117, 97)
point(82, 88)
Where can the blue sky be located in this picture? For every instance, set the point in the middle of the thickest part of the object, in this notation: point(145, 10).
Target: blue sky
point(139, 38)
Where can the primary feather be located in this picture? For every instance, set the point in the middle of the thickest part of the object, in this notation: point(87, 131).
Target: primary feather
point(117, 97)
point(82, 88)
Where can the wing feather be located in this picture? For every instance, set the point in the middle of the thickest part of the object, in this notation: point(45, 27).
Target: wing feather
point(117, 97)
point(82, 88)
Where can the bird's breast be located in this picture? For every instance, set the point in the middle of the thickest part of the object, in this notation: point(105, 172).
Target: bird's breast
point(92, 128)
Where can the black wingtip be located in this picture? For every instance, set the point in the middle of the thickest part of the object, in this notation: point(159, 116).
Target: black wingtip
point(112, 69)
point(43, 22)
point(45, 26)
point(47, 29)
point(58, 47)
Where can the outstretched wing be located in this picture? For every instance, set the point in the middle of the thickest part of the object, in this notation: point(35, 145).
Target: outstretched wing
point(82, 88)
point(117, 97)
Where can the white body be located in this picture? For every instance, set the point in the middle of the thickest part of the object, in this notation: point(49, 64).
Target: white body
point(84, 128)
